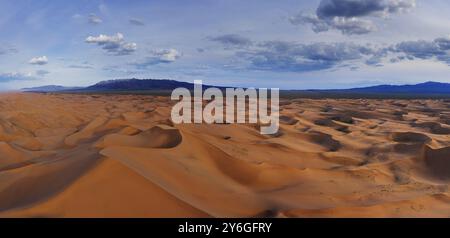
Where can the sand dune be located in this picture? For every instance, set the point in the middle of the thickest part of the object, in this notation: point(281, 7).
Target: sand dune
point(67, 155)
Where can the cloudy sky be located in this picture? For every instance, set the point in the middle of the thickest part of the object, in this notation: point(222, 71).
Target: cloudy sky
point(284, 43)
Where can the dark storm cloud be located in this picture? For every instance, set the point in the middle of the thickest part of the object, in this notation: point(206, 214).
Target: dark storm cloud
point(438, 49)
point(299, 57)
point(295, 57)
point(346, 15)
point(348, 26)
point(419, 49)
point(443, 43)
point(359, 8)
point(348, 8)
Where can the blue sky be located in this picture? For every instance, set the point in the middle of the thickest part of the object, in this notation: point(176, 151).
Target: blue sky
point(285, 43)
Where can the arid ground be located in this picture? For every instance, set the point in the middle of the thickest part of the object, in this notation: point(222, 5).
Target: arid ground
point(67, 155)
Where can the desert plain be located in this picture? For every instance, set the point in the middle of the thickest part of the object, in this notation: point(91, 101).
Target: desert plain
point(73, 155)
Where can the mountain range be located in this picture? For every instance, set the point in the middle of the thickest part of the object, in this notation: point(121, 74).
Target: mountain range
point(127, 85)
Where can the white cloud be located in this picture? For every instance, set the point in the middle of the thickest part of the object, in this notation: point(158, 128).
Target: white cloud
point(113, 44)
point(39, 60)
point(165, 56)
point(129, 47)
point(104, 39)
point(15, 76)
point(169, 55)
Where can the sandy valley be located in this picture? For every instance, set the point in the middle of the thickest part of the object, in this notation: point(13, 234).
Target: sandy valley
point(68, 155)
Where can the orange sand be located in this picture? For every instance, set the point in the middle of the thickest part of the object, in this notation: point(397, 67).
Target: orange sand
point(120, 156)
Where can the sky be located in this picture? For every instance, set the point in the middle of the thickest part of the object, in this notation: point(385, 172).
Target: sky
point(287, 44)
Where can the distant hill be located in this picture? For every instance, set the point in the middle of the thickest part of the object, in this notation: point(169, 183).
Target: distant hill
point(49, 88)
point(137, 84)
point(421, 88)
